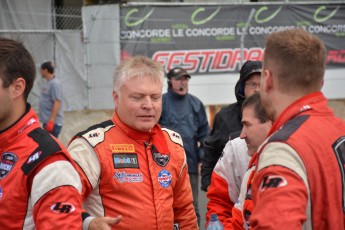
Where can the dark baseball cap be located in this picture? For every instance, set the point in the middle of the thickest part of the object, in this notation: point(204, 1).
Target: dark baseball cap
point(250, 67)
point(177, 72)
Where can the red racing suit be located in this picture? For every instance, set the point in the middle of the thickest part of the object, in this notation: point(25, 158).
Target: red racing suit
point(226, 180)
point(300, 171)
point(141, 176)
point(39, 187)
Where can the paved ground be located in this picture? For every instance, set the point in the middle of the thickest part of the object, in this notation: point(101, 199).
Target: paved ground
point(202, 208)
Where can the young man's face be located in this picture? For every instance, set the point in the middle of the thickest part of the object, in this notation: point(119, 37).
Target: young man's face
point(253, 132)
point(139, 103)
point(252, 84)
point(180, 85)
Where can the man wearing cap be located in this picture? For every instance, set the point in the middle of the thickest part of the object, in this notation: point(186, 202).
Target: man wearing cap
point(50, 105)
point(185, 114)
point(227, 123)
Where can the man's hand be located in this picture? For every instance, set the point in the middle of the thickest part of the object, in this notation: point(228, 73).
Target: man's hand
point(104, 223)
point(49, 126)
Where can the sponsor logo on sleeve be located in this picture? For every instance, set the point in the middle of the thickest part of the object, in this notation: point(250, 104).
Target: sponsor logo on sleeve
point(7, 162)
point(61, 207)
point(128, 177)
point(122, 148)
point(273, 181)
point(34, 157)
point(164, 178)
point(125, 161)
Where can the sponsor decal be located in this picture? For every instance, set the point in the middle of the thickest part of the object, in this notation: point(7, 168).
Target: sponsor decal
point(91, 135)
point(164, 178)
point(194, 19)
point(273, 181)
point(160, 158)
point(34, 157)
point(268, 18)
point(128, 177)
point(122, 148)
point(61, 207)
point(0, 192)
point(136, 19)
point(318, 15)
point(7, 162)
point(30, 122)
point(125, 161)
point(207, 60)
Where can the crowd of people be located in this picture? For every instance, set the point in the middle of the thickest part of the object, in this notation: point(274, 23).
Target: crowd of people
point(275, 159)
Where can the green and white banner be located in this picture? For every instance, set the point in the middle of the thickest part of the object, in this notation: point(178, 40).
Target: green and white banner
point(212, 38)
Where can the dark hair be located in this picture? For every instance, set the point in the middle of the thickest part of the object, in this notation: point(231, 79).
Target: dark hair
point(48, 66)
point(259, 111)
point(16, 62)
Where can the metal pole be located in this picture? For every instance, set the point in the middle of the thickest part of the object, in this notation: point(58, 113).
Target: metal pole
point(244, 33)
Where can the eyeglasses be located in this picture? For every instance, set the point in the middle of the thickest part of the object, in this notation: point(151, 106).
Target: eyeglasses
point(252, 85)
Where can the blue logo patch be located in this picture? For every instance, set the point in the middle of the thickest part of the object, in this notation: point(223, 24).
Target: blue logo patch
point(0, 192)
point(164, 178)
point(125, 161)
point(7, 162)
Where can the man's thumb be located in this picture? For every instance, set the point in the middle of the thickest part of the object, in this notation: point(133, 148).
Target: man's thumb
point(113, 220)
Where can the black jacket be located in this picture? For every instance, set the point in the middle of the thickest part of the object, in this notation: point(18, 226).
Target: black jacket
point(186, 115)
point(226, 121)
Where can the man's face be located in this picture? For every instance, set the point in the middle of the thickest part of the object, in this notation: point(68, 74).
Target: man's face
point(253, 132)
point(139, 103)
point(5, 108)
point(266, 92)
point(180, 85)
point(252, 84)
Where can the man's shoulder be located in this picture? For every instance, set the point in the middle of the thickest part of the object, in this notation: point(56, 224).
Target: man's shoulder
point(173, 136)
point(95, 134)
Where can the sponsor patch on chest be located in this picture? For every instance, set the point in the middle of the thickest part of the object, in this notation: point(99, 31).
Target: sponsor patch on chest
point(123, 160)
point(160, 158)
point(164, 178)
point(7, 162)
point(122, 148)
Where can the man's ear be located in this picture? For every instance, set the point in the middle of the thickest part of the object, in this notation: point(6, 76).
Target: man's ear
point(115, 98)
point(267, 80)
point(17, 87)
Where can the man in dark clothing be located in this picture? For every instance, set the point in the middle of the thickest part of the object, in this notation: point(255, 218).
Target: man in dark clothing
point(185, 114)
point(228, 120)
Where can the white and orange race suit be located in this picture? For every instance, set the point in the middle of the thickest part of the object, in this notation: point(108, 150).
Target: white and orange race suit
point(142, 176)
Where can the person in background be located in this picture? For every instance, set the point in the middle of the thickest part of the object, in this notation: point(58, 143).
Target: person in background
point(50, 103)
point(185, 114)
point(39, 186)
point(228, 120)
point(129, 165)
point(300, 171)
point(230, 190)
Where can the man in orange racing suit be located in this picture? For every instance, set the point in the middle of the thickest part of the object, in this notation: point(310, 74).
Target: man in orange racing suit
point(129, 165)
point(39, 187)
point(300, 171)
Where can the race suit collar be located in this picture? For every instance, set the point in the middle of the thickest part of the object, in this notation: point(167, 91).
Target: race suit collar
point(154, 137)
point(307, 103)
point(133, 133)
point(29, 120)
